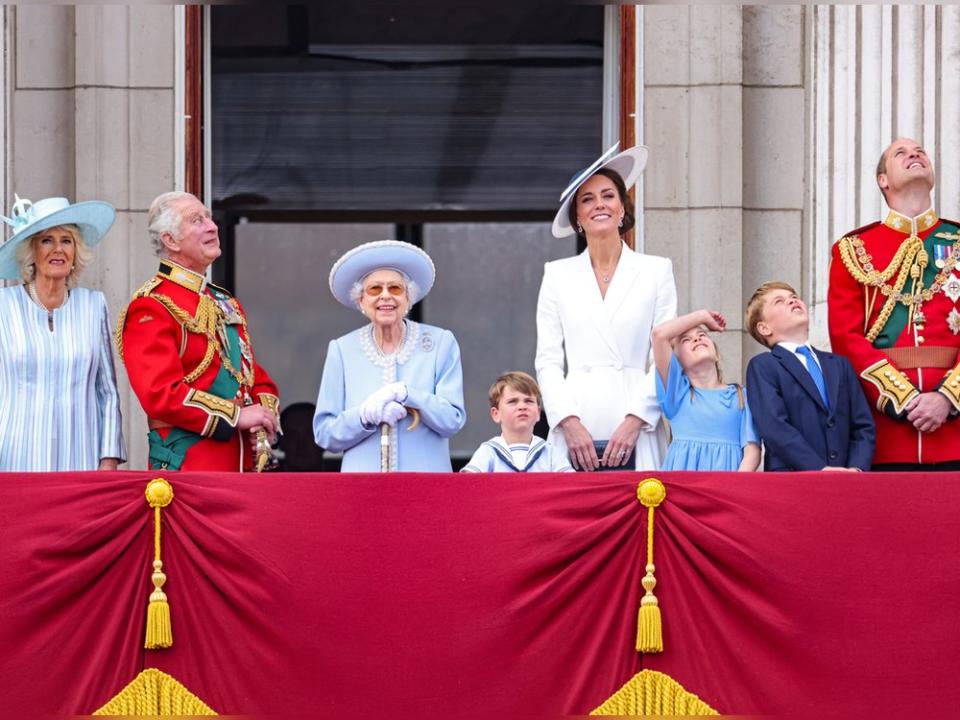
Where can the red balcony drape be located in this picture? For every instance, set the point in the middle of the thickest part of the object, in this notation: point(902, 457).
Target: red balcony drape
point(484, 596)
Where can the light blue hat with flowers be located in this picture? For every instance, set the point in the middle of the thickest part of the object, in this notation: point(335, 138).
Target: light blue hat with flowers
point(356, 264)
point(92, 217)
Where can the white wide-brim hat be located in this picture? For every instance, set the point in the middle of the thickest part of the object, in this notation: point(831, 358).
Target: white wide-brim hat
point(403, 257)
point(628, 165)
point(92, 217)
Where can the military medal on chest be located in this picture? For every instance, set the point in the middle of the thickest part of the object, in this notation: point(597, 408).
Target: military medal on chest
point(951, 288)
point(942, 254)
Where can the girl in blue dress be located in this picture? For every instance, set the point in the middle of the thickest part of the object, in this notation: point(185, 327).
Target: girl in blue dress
point(710, 420)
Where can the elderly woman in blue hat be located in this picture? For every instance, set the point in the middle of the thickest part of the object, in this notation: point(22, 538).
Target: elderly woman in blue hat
point(392, 391)
point(595, 315)
point(61, 408)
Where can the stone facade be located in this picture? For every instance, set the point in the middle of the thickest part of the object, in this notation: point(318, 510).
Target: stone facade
point(90, 115)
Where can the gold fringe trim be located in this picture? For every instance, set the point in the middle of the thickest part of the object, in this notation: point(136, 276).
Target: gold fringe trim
point(159, 633)
point(650, 492)
point(653, 693)
point(153, 692)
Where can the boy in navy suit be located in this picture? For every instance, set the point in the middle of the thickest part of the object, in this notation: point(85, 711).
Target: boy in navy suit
point(807, 404)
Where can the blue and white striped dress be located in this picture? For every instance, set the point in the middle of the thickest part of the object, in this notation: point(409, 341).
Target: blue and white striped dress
point(59, 405)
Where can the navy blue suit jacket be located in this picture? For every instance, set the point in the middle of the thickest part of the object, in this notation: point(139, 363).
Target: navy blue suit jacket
point(798, 432)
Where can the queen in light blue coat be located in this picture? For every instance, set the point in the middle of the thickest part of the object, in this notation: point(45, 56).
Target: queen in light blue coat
point(392, 381)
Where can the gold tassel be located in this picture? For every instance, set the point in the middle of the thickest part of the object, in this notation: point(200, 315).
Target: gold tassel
point(159, 630)
point(650, 492)
point(652, 693)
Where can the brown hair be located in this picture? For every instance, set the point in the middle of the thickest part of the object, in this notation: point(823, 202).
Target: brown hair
point(882, 163)
point(628, 212)
point(519, 381)
point(755, 307)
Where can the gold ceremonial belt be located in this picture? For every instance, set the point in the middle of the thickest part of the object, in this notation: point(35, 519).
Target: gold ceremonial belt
point(907, 358)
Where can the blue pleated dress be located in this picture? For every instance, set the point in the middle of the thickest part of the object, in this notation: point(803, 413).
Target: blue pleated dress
point(709, 429)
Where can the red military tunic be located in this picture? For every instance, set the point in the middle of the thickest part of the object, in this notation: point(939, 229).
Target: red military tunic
point(190, 362)
point(892, 307)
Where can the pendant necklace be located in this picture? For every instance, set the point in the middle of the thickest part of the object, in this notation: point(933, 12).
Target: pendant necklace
point(605, 276)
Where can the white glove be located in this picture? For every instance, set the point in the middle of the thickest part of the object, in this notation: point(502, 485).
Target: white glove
point(393, 412)
point(398, 390)
point(371, 412)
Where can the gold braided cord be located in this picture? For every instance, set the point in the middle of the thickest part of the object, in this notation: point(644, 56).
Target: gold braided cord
point(908, 262)
point(206, 322)
point(848, 252)
point(650, 511)
point(156, 532)
point(154, 693)
point(118, 333)
point(902, 261)
point(653, 693)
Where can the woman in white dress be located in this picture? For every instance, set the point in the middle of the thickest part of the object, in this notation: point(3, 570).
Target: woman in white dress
point(61, 408)
point(595, 314)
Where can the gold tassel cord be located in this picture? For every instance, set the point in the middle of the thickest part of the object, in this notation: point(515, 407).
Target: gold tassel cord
point(650, 492)
point(159, 633)
point(652, 693)
point(154, 693)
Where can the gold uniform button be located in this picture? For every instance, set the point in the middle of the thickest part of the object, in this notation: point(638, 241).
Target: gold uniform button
point(919, 338)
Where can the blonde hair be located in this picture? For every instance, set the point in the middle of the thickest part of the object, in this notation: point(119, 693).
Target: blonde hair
point(519, 381)
point(755, 307)
point(27, 256)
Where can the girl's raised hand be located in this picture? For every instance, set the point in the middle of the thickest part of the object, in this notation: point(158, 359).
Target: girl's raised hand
point(715, 321)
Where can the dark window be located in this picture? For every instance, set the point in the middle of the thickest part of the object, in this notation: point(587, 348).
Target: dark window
point(453, 128)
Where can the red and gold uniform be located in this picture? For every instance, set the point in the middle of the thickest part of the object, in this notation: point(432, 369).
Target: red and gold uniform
point(892, 305)
point(190, 361)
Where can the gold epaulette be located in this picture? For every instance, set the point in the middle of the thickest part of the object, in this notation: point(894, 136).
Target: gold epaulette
point(143, 291)
point(894, 386)
point(950, 387)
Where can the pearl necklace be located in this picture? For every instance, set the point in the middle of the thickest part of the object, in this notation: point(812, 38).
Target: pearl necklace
point(32, 292)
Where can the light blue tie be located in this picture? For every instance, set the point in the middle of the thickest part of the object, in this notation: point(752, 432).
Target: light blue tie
point(815, 373)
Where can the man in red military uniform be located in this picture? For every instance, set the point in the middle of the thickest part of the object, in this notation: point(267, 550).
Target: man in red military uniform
point(892, 302)
point(184, 341)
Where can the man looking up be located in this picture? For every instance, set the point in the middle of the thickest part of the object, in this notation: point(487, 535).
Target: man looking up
point(892, 306)
point(188, 354)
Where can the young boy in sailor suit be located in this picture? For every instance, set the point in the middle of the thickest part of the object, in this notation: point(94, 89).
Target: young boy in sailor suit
point(515, 404)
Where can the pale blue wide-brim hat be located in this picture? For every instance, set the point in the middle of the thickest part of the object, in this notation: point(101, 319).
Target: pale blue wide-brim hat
point(628, 165)
point(92, 217)
point(403, 257)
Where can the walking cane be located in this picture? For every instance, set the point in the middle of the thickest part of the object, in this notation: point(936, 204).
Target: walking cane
point(385, 438)
point(384, 447)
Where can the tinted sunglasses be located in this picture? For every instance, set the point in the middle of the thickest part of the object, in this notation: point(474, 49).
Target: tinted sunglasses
point(395, 289)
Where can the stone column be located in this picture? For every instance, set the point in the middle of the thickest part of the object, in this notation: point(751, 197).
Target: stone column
point(693, 125)
point(879, 72)
point(775, 147)
point(92, 117)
